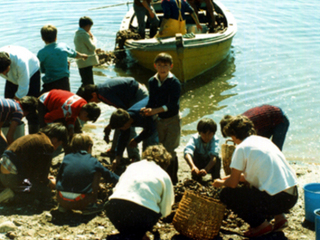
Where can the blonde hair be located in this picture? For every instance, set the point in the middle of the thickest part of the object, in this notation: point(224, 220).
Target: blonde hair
point(158, 154)
point(81, 142)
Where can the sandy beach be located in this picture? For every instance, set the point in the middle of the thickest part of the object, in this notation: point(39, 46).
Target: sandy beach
point(44, 221)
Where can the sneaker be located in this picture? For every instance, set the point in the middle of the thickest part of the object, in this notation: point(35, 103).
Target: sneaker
point(6, 194)
point(92, 209)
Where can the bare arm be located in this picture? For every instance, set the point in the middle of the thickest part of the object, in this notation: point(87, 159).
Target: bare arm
point(196, 19)
point(194, 169)
point(210, 164)
point(82, 55)
point(232, 181)
point(151, 111)
point(146, 5)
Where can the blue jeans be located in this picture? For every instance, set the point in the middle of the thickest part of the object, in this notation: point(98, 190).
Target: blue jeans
point(141, 12)
point(280, 131)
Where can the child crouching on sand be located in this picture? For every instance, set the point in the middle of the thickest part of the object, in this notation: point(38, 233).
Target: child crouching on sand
point(202, 151)
point(79, 176)
point(143, 194)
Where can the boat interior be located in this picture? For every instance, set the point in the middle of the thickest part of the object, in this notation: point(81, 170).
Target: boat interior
point(220, 19)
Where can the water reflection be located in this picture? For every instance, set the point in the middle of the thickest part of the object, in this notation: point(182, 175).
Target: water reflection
point(202, 95)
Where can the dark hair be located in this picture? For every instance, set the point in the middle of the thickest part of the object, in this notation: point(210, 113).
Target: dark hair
point(206, 125)
point(86, 92)
point(5, 61)
point(163, 58)
point(84, 21)
point(56, 130)
point(223, 122)
point(93, 111)
point(239, 126)
point(158, 154)
point(80, 142)
point(49, 33)
point(119, 118)
point(29, 104)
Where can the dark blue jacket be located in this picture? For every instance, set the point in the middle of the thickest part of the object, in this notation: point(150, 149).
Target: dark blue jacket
point(147, 123)
point(77, 170)
point(118, 92)
point(167, 94)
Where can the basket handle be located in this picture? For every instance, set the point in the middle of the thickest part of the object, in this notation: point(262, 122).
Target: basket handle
point(230, 140)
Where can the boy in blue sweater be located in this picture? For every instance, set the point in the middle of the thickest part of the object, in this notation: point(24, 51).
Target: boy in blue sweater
point(164, 94)
point(54, 60)
point(202, 151)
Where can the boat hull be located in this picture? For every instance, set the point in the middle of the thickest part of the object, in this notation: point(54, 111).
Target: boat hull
point(193, 55)
point(188, 63)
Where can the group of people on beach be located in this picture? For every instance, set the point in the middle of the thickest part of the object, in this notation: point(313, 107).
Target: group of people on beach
point(144, 191)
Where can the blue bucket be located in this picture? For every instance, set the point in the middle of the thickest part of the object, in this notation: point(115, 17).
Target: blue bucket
point(311, 200)
point(317, 223)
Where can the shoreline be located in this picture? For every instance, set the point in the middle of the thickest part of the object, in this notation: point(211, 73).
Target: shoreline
point(45, 222)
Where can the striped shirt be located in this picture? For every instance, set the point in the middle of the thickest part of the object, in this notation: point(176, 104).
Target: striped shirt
point(10, 110)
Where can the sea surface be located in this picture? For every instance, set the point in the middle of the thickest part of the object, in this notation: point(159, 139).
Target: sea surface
point(274, 59)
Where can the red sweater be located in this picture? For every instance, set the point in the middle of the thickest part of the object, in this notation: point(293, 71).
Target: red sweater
point(62, 104)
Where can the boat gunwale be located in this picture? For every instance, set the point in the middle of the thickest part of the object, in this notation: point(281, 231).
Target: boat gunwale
point(201, 40)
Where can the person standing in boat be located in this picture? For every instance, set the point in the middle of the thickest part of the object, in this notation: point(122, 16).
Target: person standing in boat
point(141, 9)
point(196, 4)
point(174, 18)
point(269, 121)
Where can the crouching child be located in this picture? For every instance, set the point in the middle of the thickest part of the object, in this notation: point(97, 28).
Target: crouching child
point(25, 165)
point(143, 194)
point(202, 151)
point(126, 120)
point(79, 176)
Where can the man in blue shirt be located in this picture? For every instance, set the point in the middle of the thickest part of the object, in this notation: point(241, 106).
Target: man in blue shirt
point(120, 92)
point(123, 120)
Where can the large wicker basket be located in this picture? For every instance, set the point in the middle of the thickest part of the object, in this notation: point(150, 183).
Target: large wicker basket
point(226, 155)
point(198, 217)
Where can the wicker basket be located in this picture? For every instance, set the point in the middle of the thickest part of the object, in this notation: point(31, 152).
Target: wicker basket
point(226, 154)
point(198, 217)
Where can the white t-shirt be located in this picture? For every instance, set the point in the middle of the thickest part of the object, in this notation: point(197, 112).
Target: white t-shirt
point(23, 65)
point(146, 184)
point(263, 164)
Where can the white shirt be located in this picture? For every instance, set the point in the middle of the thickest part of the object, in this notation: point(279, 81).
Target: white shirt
point(263, 164)
point(23, 65)
point(146, 184)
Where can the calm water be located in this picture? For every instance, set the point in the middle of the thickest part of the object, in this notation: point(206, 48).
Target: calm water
point(274, 60)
